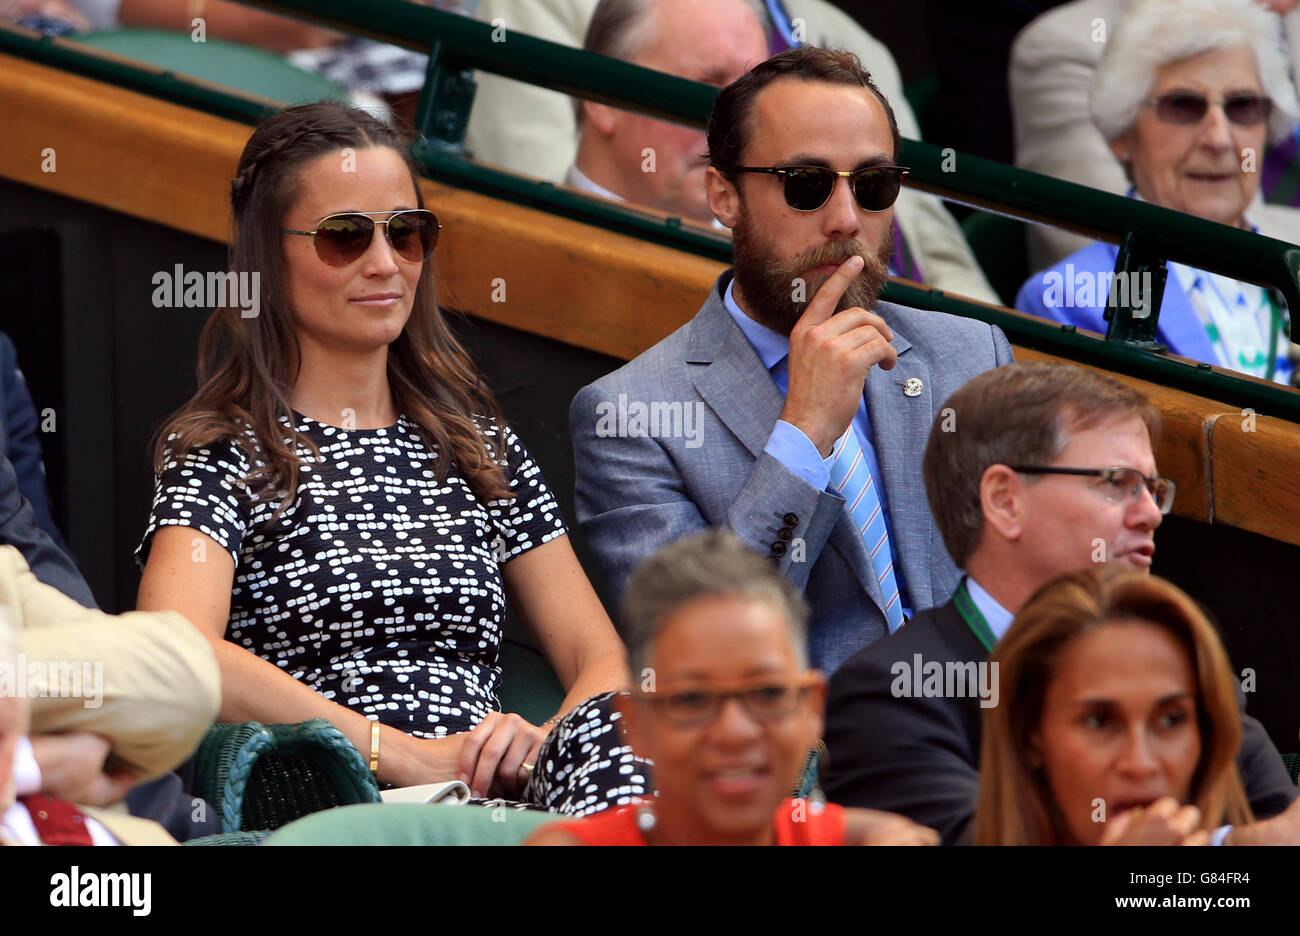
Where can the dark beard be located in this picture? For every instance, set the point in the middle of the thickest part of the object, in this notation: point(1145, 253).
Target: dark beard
point(777, 293)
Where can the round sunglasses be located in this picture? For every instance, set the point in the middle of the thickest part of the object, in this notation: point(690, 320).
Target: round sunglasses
point(808, 188)
point(1188, 107)
point(341, 239)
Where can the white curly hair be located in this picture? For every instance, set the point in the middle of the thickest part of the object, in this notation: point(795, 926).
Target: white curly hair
point(1155, 33)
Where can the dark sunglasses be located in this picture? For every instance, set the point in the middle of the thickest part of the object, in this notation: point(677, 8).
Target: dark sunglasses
point(808, 188)
point(341, 239)
point(1188, 107)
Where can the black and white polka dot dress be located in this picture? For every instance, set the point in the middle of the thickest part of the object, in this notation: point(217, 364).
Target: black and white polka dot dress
point(380, 587)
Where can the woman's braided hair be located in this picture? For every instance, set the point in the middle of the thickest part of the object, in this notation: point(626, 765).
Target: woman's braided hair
point(247, 366)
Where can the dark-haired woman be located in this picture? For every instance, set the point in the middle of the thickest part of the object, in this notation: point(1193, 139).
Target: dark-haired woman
point(341, 507)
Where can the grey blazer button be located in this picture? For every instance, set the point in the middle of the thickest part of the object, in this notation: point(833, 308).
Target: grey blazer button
point(778, 549)
point(785, 534)
point(790, 520)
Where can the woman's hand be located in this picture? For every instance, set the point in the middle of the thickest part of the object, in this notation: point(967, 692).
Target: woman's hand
point(875, 827)
point(492, 755)
point(1164, 822)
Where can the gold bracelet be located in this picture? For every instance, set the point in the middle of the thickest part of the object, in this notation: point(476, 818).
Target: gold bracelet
point(374, 748)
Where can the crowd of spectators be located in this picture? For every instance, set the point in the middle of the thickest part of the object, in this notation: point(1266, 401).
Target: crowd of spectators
point(889, 545)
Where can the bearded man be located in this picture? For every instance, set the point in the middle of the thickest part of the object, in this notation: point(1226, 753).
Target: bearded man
point(794, 408)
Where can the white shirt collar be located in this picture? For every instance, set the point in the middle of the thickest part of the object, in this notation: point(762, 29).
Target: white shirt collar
point(579, 180)
point(576, 178)
point(998, 617)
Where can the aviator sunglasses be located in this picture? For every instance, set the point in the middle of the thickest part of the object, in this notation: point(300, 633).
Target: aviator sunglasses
point(1188, 107)
point(808, 188)
point(341, 239)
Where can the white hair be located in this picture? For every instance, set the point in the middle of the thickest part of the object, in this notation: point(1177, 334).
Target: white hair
point(1155, 33)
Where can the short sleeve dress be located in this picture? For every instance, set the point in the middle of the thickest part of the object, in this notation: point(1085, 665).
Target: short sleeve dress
point(380, 586)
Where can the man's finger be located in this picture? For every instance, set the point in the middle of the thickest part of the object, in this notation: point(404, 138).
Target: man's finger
point(108, 789)
point(854, 318)
point(828, 295)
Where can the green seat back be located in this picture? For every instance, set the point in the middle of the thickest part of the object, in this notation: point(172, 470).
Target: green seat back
point(1000, 246)
point(412, 824)
point(242, 67)
point(528, 684)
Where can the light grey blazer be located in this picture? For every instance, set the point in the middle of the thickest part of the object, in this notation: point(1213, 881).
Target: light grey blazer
point(638, 490)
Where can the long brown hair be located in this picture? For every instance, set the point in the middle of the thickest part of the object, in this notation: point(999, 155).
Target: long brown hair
point(247, 366)
point(1016, 805)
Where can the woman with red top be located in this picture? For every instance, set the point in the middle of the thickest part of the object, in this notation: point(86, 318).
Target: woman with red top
point(726, 708)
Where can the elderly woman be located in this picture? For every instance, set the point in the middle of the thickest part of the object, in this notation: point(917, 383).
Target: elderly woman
point(1118, 722)
point(727, 709)
point(1187, 94)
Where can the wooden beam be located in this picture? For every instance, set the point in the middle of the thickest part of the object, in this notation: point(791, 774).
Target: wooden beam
point(1255, 472)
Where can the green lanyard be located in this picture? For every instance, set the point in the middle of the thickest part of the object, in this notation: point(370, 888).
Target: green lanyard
point(974, 619)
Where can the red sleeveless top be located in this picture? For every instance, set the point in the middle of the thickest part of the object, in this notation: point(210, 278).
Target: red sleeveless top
point(797, 822)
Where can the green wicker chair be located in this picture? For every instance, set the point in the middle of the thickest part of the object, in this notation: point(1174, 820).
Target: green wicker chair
point(261, 777)
point(230, 838)
point(1292, 762)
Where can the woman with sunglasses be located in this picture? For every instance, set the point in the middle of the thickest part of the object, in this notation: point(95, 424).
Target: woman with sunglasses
point(1118, 720)
point(1187, 94)
point(341, 508)
point(726, 708)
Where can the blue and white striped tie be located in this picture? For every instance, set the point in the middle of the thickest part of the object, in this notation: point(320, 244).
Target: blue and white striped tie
point(851, 477)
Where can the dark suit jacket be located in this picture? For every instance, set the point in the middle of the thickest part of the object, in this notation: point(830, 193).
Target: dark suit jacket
point(920, 756)
point(19, 528)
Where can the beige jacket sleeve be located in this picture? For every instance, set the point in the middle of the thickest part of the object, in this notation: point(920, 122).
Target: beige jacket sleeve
point(146, 681)
point(1052, 64)
point(519, 126)
point(532, 131)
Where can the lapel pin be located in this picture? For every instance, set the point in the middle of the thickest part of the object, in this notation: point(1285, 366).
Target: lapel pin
point(913, 387)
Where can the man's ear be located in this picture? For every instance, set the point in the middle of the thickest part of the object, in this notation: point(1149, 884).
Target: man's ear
point(1002, 501)
point(601, 117)
point(724, 198)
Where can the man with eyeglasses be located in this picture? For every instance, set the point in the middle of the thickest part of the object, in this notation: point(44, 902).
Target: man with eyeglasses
point(1042, 469)
point(808, 402)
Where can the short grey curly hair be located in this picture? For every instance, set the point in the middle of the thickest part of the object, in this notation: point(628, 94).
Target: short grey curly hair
point(1155, 33)
point(712, 563)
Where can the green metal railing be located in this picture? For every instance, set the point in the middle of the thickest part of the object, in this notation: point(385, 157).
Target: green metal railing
point(1148, 235)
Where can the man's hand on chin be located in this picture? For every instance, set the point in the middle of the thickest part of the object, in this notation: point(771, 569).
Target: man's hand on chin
point(1282, 829)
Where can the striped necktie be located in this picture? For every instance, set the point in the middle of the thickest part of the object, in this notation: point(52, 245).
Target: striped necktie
point(851, 478)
